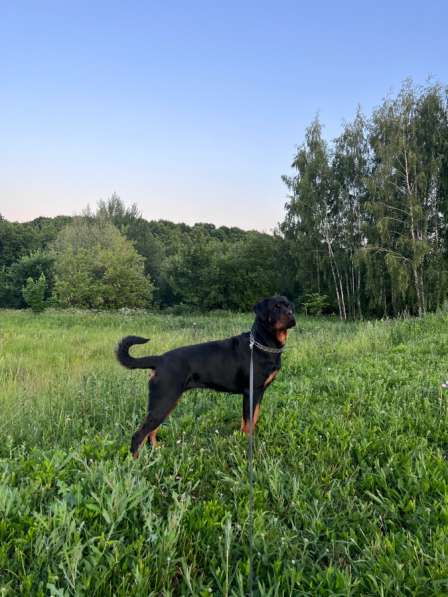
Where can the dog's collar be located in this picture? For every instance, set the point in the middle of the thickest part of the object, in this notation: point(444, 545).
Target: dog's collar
point(253, 342)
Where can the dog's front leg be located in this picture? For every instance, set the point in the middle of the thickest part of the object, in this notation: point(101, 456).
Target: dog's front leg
point(245, 422)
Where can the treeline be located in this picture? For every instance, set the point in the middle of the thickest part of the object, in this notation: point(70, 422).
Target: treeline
point(114, 258)
point(365, 233)
point(366, 223)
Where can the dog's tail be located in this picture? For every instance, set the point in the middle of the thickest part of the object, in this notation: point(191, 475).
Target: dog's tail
point(122, 352)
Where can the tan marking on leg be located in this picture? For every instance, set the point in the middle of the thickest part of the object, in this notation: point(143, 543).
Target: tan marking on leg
point(270, 378)
point(152, 437)
point(256, 415)
point(245, 426)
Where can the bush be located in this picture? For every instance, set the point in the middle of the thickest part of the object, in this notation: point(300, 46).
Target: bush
point(96, 267)
point(314, 303)
point(34, 293)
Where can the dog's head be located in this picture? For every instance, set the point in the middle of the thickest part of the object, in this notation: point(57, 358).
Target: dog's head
point(276, 314)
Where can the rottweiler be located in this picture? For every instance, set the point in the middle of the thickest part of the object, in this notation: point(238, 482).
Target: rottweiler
point(221, 365)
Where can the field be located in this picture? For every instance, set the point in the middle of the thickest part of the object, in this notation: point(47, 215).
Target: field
point(351, 464)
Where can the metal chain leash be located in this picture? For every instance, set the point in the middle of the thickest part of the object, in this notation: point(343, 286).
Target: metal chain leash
point(252, 343)
point(251, 467)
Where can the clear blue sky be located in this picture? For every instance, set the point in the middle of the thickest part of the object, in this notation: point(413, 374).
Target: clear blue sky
point(191, 109)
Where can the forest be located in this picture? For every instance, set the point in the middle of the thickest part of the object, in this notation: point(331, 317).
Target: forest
point(364, 233)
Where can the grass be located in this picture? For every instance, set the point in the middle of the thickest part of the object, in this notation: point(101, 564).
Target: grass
point(351, 463)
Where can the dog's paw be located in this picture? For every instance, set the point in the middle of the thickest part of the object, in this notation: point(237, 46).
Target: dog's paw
point(155, 446)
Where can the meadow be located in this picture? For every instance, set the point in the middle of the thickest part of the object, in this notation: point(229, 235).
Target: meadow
point(351, 493)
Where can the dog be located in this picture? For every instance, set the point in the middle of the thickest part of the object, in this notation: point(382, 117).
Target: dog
point(221, 365)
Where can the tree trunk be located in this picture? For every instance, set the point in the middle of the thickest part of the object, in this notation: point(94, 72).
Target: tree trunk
point(337, 281)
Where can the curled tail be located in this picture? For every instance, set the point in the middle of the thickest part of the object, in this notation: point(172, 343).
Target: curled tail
point(122, 352)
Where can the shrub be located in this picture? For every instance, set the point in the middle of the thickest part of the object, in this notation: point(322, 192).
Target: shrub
point(34, 293)
point(314, 303)
point(96, 267)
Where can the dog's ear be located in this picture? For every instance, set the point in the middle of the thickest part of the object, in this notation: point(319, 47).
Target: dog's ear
point(261, 309)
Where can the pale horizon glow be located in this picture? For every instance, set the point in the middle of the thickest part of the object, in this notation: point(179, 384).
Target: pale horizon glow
point(191, 111)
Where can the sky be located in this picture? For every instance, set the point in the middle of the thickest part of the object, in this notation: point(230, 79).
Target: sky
point(192, 110)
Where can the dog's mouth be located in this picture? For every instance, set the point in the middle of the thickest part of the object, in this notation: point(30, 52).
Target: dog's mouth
point(285, 323)
point(282, 336)
point(282, 327)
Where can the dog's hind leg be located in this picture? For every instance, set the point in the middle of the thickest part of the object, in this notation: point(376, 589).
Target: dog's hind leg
point(161, 402)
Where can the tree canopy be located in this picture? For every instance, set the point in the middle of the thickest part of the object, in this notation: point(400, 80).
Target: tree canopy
point(364, 232)
point(367, 214)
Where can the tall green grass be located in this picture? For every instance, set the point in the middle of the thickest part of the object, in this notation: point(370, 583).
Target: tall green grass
point(351, 463)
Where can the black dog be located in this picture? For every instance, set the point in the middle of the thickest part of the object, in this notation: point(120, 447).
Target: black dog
point(222, 365)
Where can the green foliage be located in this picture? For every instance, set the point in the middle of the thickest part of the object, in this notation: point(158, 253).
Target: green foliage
point(249, 271)
point(97, 267)
point(34, 293)
point(312, 213)
point(7, 291)
point(192, 272)
point(314, 303)
point(365, 226)
point(211, 274)
point(23, 254)
point(367, 213)
point(16, 240)
point(200, 266)
point(350, 460)
point(31, 266)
